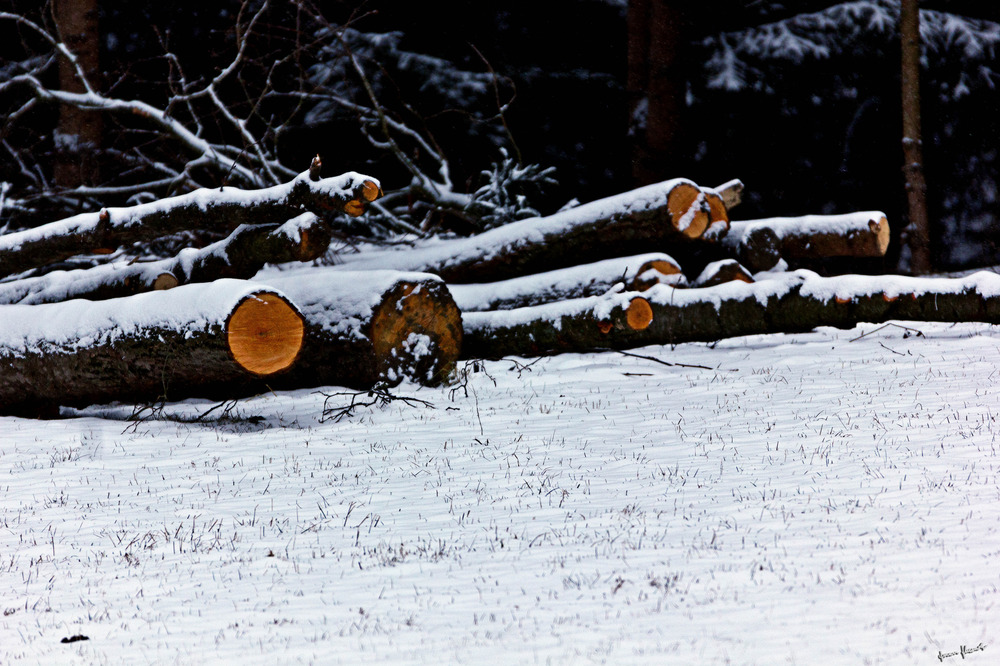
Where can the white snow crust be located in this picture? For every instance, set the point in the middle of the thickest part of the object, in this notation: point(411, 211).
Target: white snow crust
point(828, 497)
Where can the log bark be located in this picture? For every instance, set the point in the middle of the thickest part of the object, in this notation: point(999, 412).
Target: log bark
point(671, 212)
point(636, 273)
point(861, 234)
point(241, 255)
point(363, 328)
point(213, 341)
point(784, 303)
point(220, 210)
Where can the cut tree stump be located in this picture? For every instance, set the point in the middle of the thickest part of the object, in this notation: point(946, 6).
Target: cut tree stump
point(792, 302)
point(218, 340)
point(862, 234)
point(672, 212)
point(368, 327)
point(220, 210)
point(636, 273)
point(241, 255)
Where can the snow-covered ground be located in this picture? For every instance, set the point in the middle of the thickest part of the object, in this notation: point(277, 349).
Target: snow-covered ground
point(829, 497)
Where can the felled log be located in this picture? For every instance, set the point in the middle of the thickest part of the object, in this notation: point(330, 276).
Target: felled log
point(791, 302)
point(363, 328)
point(755, 246)
point(861, 234)
point(720, 272)
point(636, 273)
point(673, 211)
point(213, 340)
point(220, 210)
point(241, 255)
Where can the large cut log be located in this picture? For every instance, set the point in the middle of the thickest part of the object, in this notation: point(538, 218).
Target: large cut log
point(220, 210)
point(214, 340)
point(241, 255)
point(635, 273)
point(363, 328)
point(778, 303)
point(861, 234)
point(671, 212)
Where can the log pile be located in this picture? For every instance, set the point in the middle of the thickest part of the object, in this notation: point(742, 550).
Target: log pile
point(662, 264)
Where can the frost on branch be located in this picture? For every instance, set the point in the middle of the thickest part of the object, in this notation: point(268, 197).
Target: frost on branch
point(740, 59)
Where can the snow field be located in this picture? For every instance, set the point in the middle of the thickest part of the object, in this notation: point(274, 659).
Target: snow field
point(815, 498)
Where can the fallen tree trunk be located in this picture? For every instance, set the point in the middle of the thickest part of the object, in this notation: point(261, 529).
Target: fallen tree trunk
point(783, 303)
point(241, 255)
point(862, 234)
point(363, 328)
point(672, 212)
point(214, 341)
point(220, 210)
point(636, 273)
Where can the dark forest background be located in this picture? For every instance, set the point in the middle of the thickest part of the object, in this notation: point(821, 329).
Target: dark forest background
point(801, 101)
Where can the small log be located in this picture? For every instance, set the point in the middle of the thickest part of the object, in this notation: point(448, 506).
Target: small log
point(791, 302)
point(220, 210)
point(612, 320)
point(636, 273)
point(362, 328)
point(720, 272)
point(241, 255)
point(861, 234)
point(674, 211)
point(215, 340)
point(731, 193)
point(755, 246)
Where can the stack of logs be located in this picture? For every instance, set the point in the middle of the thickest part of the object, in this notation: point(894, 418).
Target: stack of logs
point(210, 323)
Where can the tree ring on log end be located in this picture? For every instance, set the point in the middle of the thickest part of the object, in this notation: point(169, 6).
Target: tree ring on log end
point(639, 314)
point(264, 333)
point(416, 332)
point(716, 208)
point(686, 211)
point(354, 208)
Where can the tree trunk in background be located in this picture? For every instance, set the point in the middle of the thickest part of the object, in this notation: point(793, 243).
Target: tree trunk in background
point(657, 86)
point(78, 136)
point(918, 231)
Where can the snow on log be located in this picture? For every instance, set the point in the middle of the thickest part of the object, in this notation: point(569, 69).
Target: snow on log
point(719, 272)
point(636, 273)
point(861, 234)
point(222, 210)
point(241, 255)
point(673, 211)
point(214, 340)
point(791, 302)
point(362, 328)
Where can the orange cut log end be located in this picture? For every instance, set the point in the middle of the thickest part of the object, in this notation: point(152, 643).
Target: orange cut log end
point(265, 334)
point(688, 213)
point(370, 191)
point(639, 314)
point(354, 208)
